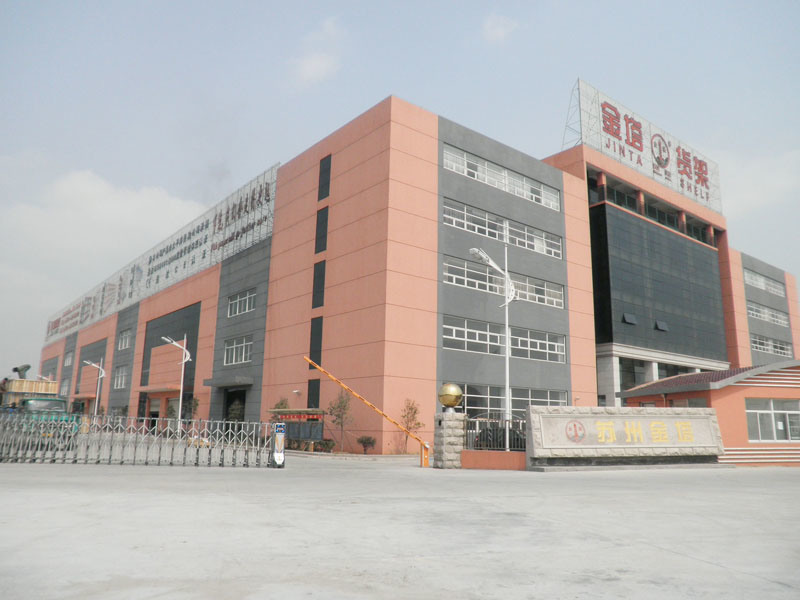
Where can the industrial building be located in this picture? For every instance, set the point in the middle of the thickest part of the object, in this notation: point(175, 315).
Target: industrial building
point(361, 254)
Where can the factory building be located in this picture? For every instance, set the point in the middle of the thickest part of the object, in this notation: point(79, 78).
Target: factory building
point(364, 254)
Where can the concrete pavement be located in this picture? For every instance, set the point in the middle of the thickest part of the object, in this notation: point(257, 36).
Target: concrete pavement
point(333, 528)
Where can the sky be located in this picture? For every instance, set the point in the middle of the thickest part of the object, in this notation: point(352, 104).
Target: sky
point(122, 121)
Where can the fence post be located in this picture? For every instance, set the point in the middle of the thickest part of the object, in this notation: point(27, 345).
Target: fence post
point(448, 440)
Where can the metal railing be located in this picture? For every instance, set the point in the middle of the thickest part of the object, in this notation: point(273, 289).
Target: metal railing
point(487, 432)
point(59, 438)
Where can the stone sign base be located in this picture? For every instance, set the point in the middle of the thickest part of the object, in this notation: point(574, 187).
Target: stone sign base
point(448, 440)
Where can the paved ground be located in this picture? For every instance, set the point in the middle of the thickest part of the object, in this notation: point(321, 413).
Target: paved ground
point(334, 528)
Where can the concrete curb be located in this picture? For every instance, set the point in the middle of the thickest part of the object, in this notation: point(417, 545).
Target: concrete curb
point(349, 456)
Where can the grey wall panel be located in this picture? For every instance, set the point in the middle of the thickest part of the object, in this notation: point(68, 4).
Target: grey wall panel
point(66, 372)
point(185, 321)
point(94, 352)
point(759, 266)
point(485, 147)
point(760, 296)
point(469, 367)
point(770, 330)
point(247, 270)
point(127, 319)
point(49, 367)
point(768, 299)
point(765, 358)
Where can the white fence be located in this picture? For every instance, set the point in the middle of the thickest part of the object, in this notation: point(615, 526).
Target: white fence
point(59, 438)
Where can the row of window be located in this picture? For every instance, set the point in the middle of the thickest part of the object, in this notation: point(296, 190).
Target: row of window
point(772, 420)
point(501, 178)
point(482, 277)
point(771, 346)
point(487, 400)
point(471, 335)
point(654, 209)
point(238, 350)
point(493, 226)
point(764, 313)
point(764, 283)
point(242, 302)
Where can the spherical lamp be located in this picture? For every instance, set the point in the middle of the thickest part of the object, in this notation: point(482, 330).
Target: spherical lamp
point(450, 396)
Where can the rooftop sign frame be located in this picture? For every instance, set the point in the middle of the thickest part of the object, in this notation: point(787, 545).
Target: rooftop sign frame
point(614, 130)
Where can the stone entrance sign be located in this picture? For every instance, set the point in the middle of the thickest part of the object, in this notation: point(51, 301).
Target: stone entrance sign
point(589, 435)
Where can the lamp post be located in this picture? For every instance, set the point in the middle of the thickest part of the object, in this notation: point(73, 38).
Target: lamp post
point(510, 295)
point(100, 374)
point(186, 358)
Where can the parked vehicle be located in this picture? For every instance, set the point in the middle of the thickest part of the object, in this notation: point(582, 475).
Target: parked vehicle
point(43, 406)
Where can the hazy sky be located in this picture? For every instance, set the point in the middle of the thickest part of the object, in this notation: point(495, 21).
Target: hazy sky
point(120, 122)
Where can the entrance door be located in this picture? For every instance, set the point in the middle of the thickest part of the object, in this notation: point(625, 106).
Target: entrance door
point(234, 405)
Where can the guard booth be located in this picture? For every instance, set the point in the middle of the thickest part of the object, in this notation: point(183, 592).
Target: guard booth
point(302, 424)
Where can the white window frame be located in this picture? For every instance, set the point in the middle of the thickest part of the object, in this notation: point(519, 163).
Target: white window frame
point(790, 418)
point(120, 377)
point(765, 283)
point(238, 350)
point(471, 335)
point(765, 313)
point(68, 359)
point(241, 303)
point(64, 389)
point(761, 343)
point(461, 216)
point(124, 341)
point(499, 177)
point(476, 276)
point(486, 398)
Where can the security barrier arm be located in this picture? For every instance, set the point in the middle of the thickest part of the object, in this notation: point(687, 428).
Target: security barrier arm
point(423, 445)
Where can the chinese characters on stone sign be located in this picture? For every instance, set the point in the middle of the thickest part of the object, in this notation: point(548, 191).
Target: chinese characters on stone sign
point(635, 432)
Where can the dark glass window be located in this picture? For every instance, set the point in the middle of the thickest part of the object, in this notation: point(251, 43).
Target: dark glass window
point(313, 393)
point(324, 178)
point(315, 346)
point(318, 292)
point(321, 243)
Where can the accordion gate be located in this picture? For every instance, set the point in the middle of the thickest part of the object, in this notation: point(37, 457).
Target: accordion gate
point(134, 441)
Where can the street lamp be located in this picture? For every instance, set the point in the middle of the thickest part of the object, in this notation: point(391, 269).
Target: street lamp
point(186, 358)
point(510, 295)
point(100, 374)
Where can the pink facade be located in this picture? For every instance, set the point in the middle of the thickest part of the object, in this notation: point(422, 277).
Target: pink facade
point(379, 312)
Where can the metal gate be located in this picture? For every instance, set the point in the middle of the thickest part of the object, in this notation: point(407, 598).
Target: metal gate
point(134, 441)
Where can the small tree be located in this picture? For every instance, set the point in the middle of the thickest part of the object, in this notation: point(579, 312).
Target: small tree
point(339, 410)
point(366, 441)
point(281, 404)
point(409, 418)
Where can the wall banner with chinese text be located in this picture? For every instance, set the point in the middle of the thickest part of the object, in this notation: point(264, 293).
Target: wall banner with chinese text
point(239, 221)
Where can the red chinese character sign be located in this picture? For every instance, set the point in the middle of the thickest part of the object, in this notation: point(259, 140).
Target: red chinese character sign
point(618, 132)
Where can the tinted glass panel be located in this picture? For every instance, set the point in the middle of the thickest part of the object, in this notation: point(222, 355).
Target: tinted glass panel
point(315, 345)
point(324, 178)
point(321, 243)
point(313, 393)
point(318, 293)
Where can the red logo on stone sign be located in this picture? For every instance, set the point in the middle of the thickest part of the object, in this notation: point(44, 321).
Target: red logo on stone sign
point(575, 431)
